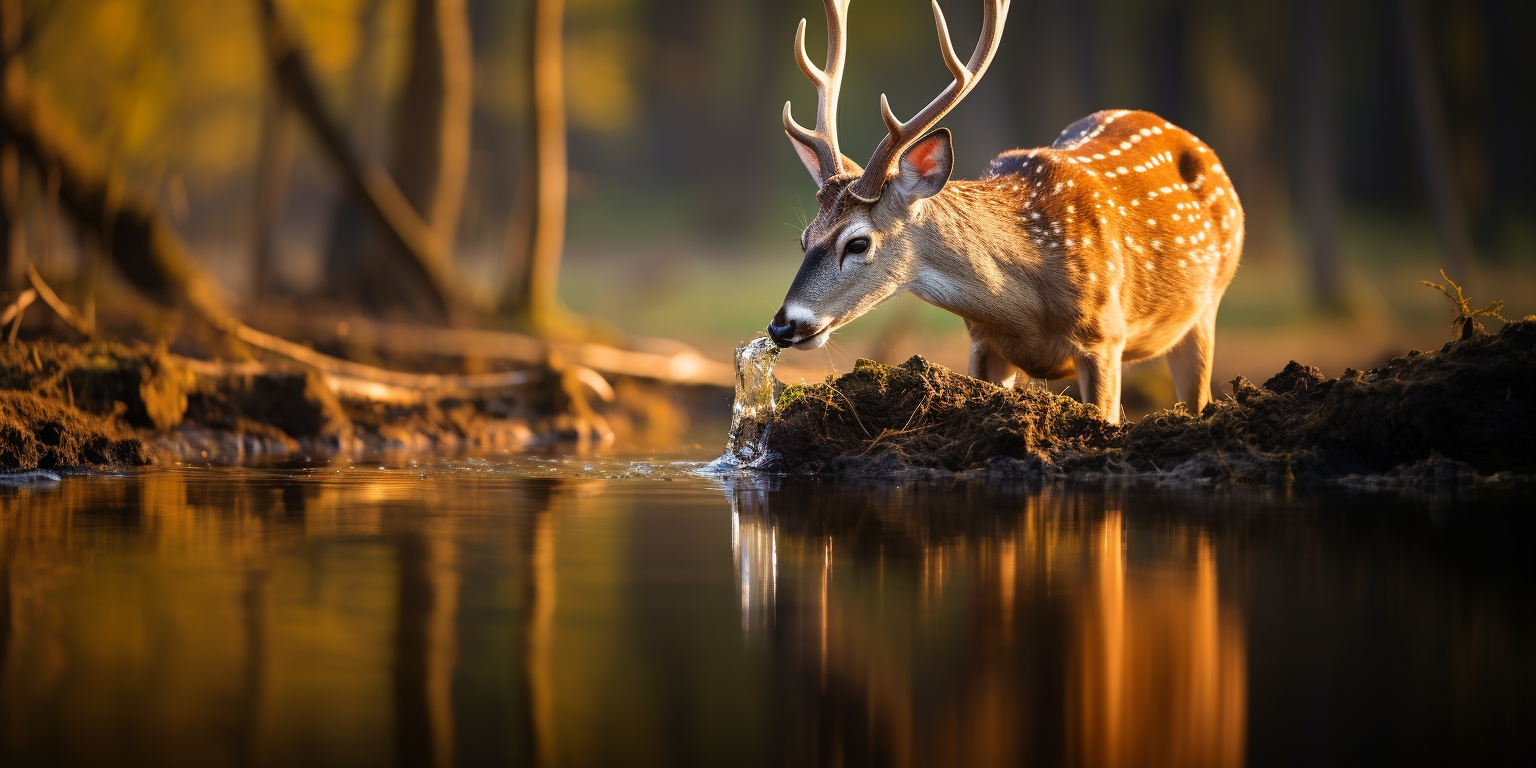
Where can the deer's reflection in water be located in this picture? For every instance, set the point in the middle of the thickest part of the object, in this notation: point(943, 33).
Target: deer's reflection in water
point(916, 624)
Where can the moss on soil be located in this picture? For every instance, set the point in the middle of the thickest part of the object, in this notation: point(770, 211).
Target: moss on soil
point(1466, 409)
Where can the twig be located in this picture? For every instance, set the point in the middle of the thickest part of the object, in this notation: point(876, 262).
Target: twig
point(58, 305)
point(18, 306)
point(1465, 320)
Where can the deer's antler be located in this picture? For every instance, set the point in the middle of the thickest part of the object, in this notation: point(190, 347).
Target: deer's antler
point(902, 134)
point(828, 82)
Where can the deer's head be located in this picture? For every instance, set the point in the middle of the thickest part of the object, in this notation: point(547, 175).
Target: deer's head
point(859, 250)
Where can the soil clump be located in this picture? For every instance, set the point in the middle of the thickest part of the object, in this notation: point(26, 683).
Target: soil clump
point(1466, 411)
point(38, 433)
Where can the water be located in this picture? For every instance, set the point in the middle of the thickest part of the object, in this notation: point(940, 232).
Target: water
point(753, 409)
point(537, 612)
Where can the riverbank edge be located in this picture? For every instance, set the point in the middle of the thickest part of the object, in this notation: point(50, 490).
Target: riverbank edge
point(1460, 415)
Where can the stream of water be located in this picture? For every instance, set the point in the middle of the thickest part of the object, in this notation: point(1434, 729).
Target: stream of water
point(753, 409)
point(553, 611)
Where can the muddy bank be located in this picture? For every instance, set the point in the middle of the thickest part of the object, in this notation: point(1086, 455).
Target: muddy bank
point(37, 433)
point(1465, 411)
point(99, 404)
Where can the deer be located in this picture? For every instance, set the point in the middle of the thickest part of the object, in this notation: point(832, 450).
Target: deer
point(1112, 245)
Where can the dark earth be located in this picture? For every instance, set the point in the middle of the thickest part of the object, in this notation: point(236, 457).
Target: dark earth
point(1464, 413)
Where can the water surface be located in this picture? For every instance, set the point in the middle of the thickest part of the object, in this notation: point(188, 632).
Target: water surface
point(590, 614)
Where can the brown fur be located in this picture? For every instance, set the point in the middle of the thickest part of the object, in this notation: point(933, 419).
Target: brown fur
point(1058, 261)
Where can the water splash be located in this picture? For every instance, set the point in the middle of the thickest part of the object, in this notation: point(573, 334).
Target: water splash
point(747, 444)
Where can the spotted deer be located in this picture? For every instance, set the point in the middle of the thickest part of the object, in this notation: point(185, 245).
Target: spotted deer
point(1114, 244)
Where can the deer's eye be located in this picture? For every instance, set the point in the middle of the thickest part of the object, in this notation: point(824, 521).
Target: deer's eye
point(856, 246)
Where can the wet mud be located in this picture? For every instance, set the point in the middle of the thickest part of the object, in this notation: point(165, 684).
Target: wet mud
point(1463, 413)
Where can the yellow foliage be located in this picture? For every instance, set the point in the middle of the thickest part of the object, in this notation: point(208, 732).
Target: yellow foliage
point(178, 84)
point(600, 93)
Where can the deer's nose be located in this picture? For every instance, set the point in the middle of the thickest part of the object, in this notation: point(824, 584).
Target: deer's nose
point(781, 329)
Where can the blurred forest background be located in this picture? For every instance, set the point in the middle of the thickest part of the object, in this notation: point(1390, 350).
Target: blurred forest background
point(1372, 142)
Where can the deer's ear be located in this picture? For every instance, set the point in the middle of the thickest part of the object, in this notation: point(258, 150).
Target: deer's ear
point(925, 167)
point(808, 156)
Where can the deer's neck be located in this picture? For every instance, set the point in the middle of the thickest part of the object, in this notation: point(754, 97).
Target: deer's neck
point(970, 256)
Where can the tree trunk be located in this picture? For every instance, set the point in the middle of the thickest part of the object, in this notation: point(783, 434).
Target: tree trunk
point(433, 141)
point(1319, 186)
point(1434, 155)
point(350, 231)
point(536, 299)
point(11, 240)
point(422, 277)
point(274, 162)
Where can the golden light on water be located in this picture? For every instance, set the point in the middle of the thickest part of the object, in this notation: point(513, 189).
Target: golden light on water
point(1154, 660)
point(433, 617)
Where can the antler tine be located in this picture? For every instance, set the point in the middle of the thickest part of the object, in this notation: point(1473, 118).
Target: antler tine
point(892, 125)
point(902, 134)
point(828, 81)
point(812, 72)
point(947, 48)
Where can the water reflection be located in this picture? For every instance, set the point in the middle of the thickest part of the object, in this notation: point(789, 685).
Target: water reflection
point(473, 615)
point(921, 624)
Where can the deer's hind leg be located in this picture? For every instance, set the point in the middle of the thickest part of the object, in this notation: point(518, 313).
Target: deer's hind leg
point(1190, 361)
point(1098, 374)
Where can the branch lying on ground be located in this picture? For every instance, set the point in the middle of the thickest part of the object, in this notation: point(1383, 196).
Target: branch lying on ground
point(682, 365)
point(368, 180)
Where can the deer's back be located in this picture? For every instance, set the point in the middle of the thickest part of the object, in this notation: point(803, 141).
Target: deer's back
point(1136, 213)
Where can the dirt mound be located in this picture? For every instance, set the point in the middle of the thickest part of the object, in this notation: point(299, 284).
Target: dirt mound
point(1472, 403)
point(38, 433)
point(919, 414)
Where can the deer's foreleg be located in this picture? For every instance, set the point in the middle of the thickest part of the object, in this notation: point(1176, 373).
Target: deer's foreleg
point(988, 365)
point(1190, 360)
point(1098, 374)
